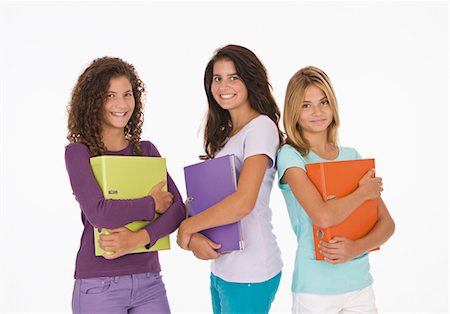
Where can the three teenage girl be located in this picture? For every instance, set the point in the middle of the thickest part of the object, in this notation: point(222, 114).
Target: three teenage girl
point(342, 283)
point(105, 118)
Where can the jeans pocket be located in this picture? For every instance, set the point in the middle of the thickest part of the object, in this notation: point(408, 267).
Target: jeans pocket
point(156, 276)
point(95, 285)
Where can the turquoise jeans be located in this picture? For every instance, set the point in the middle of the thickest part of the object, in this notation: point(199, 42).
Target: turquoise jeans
point(248, 298)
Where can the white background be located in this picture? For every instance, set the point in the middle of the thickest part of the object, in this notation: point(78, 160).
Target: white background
point(389, 65)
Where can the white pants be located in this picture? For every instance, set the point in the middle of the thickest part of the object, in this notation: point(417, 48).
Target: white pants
point(361, 301)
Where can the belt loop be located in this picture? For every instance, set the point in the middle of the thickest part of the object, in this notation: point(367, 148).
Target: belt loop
point(148, 275)
point(116, 279)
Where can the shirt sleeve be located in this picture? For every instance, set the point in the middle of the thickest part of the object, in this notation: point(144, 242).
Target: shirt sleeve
point(101, 212)
point(262, 138)
point(171, 219)
point(288, 157)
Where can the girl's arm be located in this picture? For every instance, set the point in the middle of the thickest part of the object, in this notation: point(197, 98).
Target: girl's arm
point(168, 222)
point(203, 248)
point(234, 207)
point(123, 241)
point(331, 212)
point(341, 249)
point(99, 211)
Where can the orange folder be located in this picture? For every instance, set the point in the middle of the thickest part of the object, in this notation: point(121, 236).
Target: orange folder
point(337, 179)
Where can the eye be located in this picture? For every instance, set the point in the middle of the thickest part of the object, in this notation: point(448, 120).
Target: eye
point(235, 78)
point(109, 95)
point(216, 78)
point(324, 102)
point(129, 94)
point(306, 106)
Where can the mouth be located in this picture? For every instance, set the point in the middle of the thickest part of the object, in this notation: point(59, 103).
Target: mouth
point(318, 120)
point(227, 96)
point(119, 114)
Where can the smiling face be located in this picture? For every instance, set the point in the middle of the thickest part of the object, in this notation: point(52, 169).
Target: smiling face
point(315, 111)
point(119, 104)
point(227, 87)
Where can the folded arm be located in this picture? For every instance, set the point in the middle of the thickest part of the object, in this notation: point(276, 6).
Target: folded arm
point(169, 221)
point(101, 212)
point(331, 212)
point(122, 241)
point(341, 249)
point(234, 207)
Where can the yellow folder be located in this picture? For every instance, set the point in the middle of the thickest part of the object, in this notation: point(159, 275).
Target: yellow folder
point(128, 177)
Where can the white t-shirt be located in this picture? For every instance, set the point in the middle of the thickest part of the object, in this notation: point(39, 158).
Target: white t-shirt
point(261, 258)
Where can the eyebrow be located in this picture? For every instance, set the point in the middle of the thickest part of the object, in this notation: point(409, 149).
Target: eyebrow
point(227, 74)
point(113, 92)
point(319, 100)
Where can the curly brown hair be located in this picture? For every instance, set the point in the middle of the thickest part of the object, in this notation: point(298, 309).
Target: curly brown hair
point(254, 75)
point(88, 97)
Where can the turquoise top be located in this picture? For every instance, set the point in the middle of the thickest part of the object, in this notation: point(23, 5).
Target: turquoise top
point(310, 275)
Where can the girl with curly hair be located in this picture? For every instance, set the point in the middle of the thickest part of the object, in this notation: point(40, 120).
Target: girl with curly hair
point(242, 120)
point(105, 118)
point(342, 282)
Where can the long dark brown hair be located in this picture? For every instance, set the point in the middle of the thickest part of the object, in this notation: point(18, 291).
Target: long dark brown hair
point(88, 97)
point(254, 75)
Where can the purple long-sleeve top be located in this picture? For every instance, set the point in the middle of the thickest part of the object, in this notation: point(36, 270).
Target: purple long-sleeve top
point(100, 212)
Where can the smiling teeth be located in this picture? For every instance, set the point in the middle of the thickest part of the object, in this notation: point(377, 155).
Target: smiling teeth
point(118, 114)
point(227, 96)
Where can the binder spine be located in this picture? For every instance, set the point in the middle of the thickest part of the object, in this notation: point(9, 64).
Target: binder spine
point(233, 172)
point(241, 239)
point(322, 179)
point(104, 181)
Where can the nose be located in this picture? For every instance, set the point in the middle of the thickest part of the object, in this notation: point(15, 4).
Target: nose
point(121, 102)
point(223, 84)
point(317, 110)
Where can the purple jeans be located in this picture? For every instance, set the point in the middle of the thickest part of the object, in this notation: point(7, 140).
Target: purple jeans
point(134, 294)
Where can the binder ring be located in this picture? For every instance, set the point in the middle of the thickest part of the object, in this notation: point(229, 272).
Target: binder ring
point(320, 234)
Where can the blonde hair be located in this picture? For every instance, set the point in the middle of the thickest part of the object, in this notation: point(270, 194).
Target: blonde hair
point(295, 94)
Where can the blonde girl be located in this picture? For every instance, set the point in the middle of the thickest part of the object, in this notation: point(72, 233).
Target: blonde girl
point(342, 283)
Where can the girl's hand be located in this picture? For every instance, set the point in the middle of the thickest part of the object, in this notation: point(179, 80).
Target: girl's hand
point(203, 248)
point(370, 186)
point(122, 241)
point(183, 237)
point(339, 250)
point(163, 199)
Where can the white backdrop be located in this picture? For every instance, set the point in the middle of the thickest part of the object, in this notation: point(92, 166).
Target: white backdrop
point(389, 65)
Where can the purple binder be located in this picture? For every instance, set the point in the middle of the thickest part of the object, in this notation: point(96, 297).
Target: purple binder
point(208, 183)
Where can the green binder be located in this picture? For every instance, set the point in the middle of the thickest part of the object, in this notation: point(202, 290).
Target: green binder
point(128, 177)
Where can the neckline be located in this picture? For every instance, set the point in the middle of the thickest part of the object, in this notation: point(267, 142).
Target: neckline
point(119, 151)
point(334, 159)
point(245, 126)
